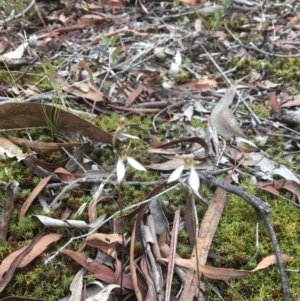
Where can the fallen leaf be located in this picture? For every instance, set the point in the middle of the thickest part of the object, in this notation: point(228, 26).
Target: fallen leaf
point(223, 119)
point(107, 238)
point(28, 115)
point(13, 264)
point(104, 294)
point(223, 273)
point(11, 150)
point(91, 265)
point(269, 260)
point(289, 185)
point(268, 187)
point(41, 147)
point(34, 193)
point(76, 286)
point(17, 53)
point(38, 248)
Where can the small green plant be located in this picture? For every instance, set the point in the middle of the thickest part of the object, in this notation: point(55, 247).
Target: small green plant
point(110, 43)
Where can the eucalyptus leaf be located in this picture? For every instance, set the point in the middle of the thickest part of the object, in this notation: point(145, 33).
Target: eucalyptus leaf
point(223, 119)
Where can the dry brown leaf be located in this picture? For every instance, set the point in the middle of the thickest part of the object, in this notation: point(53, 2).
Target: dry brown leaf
point(41, 147)
point(92, 211)
point(289, 185)
point(292, 103)
point(16, 261)
point(267, 186)
point(28, 115)
point(132, 265)
point(274, 102)
point(87, 94)
point(151, 292)
point(33, 162)
point(38, 248)
point(91, 265)
point(34, 193)
point(173, 244)
point(269, 260)
point(65, 175)
point(223, 273)
point(202, 84)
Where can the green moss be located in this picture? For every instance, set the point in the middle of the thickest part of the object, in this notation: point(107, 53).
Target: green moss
point(198, 124)
point(278, 70)
point(235, 239)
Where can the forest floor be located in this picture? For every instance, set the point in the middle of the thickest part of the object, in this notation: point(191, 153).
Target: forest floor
point(150, 150)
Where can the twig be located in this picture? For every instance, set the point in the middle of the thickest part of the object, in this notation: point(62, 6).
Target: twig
point(20, 14)
point(227, 79)
point(284, 281)
point(166, 108)
point(255, 48)
point(105, 221)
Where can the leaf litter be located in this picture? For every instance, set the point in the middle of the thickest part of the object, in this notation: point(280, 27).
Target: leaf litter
point(161, 59)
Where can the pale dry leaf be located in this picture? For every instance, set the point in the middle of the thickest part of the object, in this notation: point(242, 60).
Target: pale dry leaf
point(52, 222)
point(104, 294)
point(108, 238)
point(286, 173)
point(223, 119)
point(11, 150)
point(17, 53)
point(76, 286)
point(269, 260)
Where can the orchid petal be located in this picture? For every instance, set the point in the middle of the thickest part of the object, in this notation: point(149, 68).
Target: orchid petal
point(120, 170)
point(135, 164)
point(194, 181)
point(176, 174)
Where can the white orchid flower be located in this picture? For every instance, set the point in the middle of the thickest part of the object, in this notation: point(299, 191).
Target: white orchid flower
point(121, 167)
point(194, 182)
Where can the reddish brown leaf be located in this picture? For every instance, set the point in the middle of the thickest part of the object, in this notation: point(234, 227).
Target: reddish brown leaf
point(127, 282)
point(65, 175)
point(34, 193)
point(91, 265)
point(267, 186)
point(134, 95)
point(274, 103)
point(92, 211)
point(9, 272)
point(289, 185)
point(132, 265)
point(36, 250)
